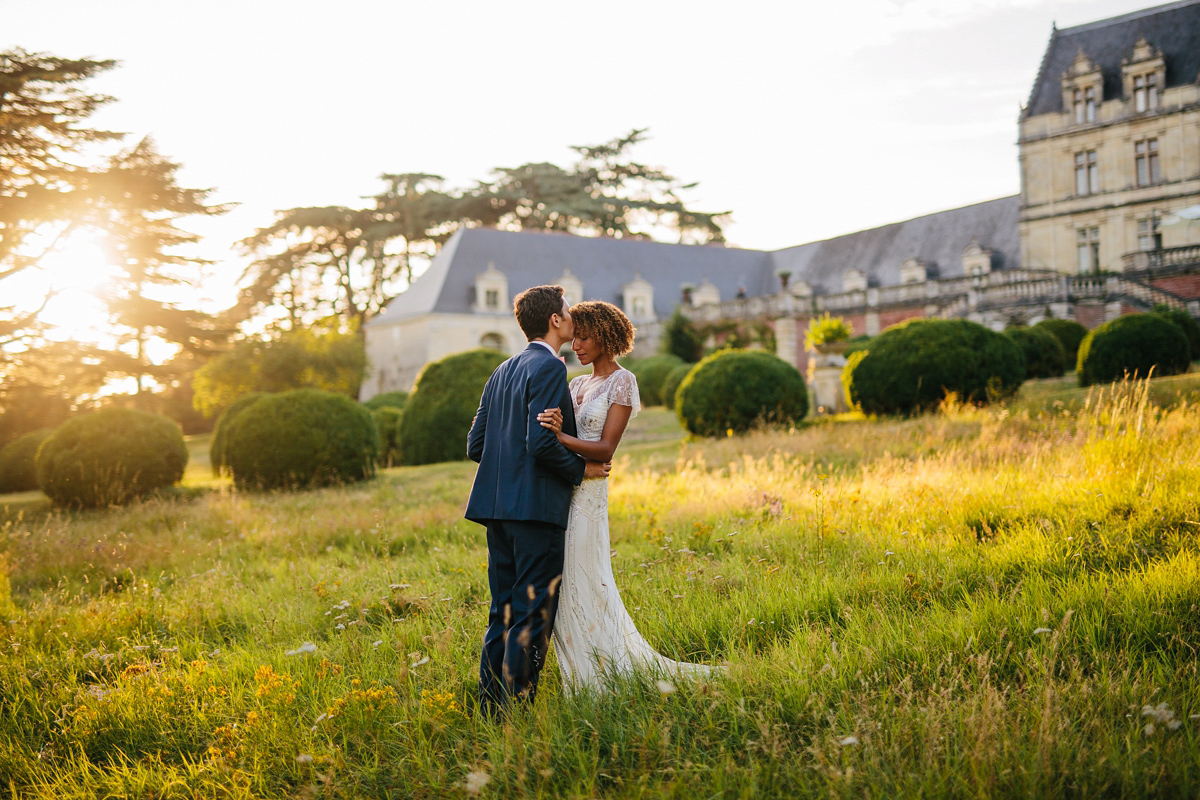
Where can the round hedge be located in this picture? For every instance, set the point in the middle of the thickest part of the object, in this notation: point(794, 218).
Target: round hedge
point(1044, 354)
point(300, 439)
point(442, 404)
point(1186, 324)
point(911, 367)
point(388, 400)
point(671, 383)
point(18, 462)
point(387, 422)
point(110, 457)
point(1069, 334)
point(216, 449)
point(1132, 345)
point(650, 373)
point(737, 389)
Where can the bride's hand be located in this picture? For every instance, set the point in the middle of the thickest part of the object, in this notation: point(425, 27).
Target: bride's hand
point(552, 418)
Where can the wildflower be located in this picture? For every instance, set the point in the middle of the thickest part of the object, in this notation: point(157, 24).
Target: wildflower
point(304, 758)
point(476, 781)
point(1162, 715)
point(400, 586)
point(846, 741)
point(1039, 631)
point(420, 663)
point(307, 647)
point(665, 687)
point(376, 644)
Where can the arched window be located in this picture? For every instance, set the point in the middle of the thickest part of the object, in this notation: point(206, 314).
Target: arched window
point(492, 341)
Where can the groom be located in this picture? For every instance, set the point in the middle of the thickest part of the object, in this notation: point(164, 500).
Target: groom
point(522, 493)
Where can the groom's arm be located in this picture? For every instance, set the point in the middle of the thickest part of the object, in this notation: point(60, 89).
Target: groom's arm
point(478, 427)
point(546, 391)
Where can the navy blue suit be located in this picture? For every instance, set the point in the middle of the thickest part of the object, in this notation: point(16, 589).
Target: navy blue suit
point(522, 493)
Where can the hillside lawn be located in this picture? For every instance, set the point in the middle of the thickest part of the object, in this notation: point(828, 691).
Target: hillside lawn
point(975, 603)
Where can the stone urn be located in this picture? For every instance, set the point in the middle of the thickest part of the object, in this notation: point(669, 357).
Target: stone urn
point(825, 377)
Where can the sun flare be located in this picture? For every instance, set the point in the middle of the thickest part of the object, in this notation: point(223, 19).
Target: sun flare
point(75, 273)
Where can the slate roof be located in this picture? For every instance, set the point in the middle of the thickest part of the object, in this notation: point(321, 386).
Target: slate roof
point(604, 266)
point(937, 239)
point(1173, 28)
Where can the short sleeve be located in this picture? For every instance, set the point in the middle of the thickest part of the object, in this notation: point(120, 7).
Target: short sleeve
point(623, 390)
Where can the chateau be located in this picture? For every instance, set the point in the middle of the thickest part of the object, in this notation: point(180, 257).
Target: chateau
point(1107, 223)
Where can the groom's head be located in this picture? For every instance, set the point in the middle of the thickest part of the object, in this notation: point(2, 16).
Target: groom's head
point(541, 311)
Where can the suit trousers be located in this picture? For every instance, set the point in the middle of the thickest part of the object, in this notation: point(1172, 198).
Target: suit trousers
point(525, 565)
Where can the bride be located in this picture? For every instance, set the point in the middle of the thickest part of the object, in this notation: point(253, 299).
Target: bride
point(593, 633)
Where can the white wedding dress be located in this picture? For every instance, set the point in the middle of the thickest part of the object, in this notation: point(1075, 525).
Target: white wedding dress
point(593, 633)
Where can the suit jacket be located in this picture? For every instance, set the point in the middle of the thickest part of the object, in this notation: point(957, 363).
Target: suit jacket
point(525, 473)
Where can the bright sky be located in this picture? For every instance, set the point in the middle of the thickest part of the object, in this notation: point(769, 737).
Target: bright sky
point(806, 119)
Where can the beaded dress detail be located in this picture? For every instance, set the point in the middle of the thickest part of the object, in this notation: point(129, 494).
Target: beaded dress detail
point(593, 633)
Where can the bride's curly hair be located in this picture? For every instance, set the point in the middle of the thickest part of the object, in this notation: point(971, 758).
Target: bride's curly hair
point(606, 324)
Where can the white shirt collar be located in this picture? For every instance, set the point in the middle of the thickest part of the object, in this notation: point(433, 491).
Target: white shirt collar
point(546, 345)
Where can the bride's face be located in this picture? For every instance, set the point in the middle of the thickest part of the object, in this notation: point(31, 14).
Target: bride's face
point(586, 349)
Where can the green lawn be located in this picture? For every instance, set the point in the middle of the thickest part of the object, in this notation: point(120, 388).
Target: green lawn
point(993, 603)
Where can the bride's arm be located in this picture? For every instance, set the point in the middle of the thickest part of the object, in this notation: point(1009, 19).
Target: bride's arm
point(610, 437)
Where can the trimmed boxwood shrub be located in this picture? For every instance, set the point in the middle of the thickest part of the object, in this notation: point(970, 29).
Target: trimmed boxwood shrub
point(110, 457)
point(670, 384)
point(1186, 324)
point(1132, 345)
point(442, 404)
point(912, 366)
point(387, 422)
point(1044, 354)
point(1069, 334)
point(737, 389)
point(220, 437)
point(18, 462)
point(301, 439)
point(650, 373)
point(388, 400)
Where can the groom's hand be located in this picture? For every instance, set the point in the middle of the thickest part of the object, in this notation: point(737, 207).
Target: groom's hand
point(597, 469)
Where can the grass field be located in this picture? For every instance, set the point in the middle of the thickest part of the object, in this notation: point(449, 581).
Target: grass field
point(990, 603)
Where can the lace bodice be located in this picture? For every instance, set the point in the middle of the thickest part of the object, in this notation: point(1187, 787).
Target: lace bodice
point(592, 396)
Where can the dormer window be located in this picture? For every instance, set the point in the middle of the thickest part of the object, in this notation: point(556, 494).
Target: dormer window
point(976, 260)
point(913, 271)
point(1081, 89)
point(1145, 92)
point(1085, 105)
point(706, 294)
point(572, 286)
point(855, 280)
point(638, 299)
point(491, 291)
point(1144, 75)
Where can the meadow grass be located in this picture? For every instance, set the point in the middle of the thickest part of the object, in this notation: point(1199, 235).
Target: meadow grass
point(983, 603)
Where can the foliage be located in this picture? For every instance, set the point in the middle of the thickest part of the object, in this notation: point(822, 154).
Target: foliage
point(734, 390)
point(1133, 345)
point(18, 462)
point(200, 614)
point(301, 439)
point(1069, 333)
point(856, 343)
point(387, 421)
point(826, 329)
point(681, 338)
point(442, 404)
point(1044, 355)
point(1187, 324)
point(650, 373)
point(43, 132)
point(671, 383)
point(303, 359)
point(913, 366)
point(396, 400)
point(217, 448)
point(110, 457)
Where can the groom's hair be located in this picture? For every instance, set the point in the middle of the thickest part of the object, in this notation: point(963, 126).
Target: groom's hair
point(534, 307)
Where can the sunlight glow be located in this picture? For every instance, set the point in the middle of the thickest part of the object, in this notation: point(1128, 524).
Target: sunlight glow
point(76, 272)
